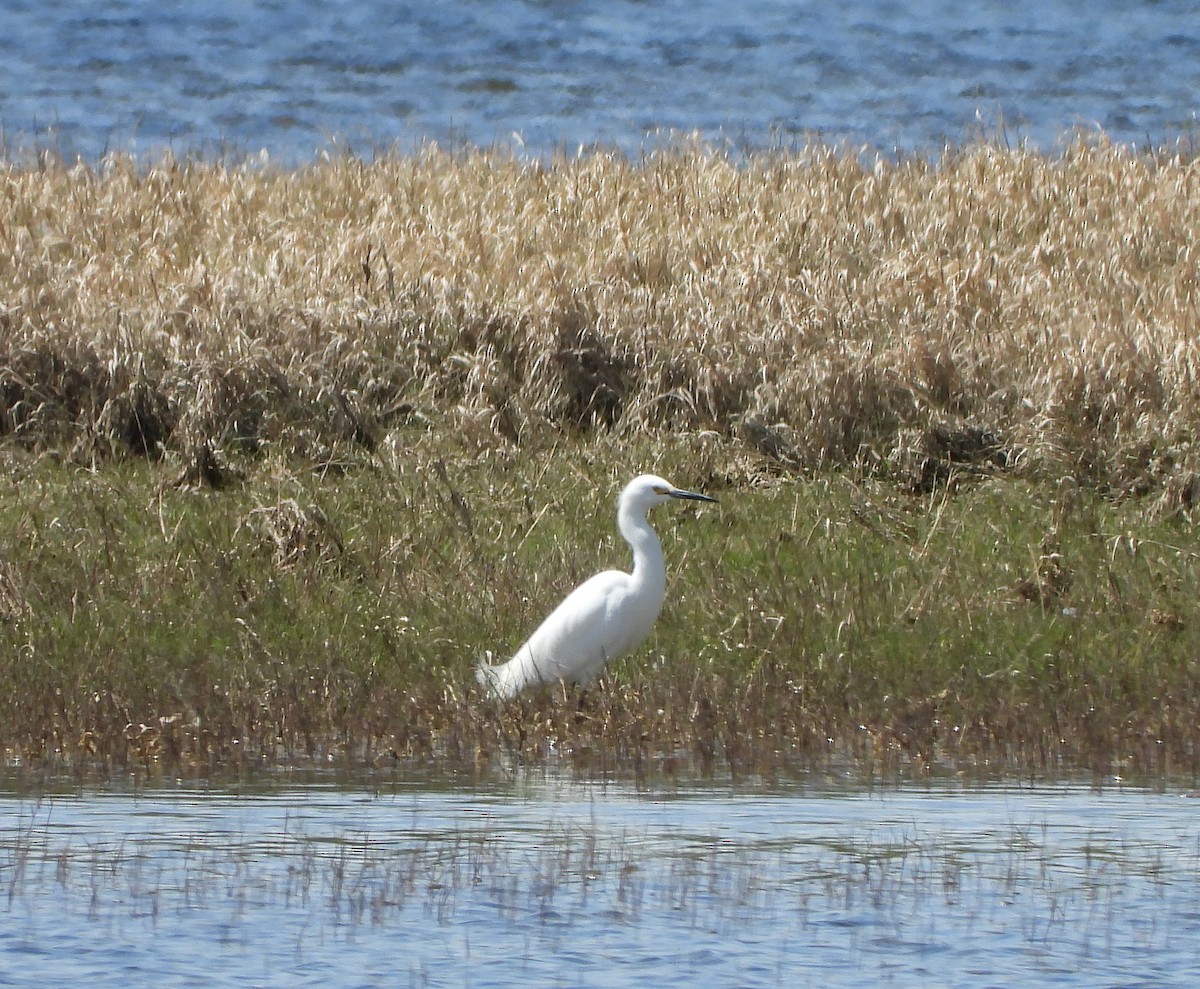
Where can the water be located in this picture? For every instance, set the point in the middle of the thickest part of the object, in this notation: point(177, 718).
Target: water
point(297, 76)
point(563, 883)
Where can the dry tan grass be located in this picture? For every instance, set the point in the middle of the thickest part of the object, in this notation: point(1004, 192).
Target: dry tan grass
point(12, 601)
point(853, 308)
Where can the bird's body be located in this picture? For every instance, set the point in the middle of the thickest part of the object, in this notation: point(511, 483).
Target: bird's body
point(604, 618)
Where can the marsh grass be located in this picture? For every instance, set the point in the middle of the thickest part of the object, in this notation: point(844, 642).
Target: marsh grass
point(291, 618)
point(995, 304)
point(558, 875)
point(287, 451)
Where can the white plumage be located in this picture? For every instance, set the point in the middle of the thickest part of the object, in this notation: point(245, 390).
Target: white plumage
point(604, 618)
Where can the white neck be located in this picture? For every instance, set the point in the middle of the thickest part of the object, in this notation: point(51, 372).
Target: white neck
point(649, 570)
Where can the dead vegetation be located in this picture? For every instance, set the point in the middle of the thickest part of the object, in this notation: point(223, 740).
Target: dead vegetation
point(297, 534)
point(996, 307)
point(335, 368)
point(12, 601)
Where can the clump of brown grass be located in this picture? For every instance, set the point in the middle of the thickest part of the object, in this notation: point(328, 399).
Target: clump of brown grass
point(1047, 300)
point(296, 533)
point(203, 467)
point(12, 600)
point(1180, 494)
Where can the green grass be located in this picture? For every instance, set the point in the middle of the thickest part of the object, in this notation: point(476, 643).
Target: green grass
point(301, 615)
point(284, 452)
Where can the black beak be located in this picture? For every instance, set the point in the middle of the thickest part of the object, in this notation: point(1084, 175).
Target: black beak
point(690, 495)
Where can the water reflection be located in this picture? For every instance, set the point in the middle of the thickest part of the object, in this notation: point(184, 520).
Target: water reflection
point(550, 881)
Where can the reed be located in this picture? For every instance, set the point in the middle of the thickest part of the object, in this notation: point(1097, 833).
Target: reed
point(1030, 308)
point(558, 874)
point(286, 451)
point(294, 617)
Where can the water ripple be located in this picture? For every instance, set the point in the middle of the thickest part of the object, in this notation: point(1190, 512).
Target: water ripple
point(294, 77)
point(601, 885)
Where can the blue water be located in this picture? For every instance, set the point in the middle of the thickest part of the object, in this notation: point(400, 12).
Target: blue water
point(298, 77)
point(561, 883)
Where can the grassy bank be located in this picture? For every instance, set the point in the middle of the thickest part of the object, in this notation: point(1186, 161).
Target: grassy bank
point(294, 615)
point(286, 451)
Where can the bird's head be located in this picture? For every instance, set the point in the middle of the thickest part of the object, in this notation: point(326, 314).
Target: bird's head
point(648, 490)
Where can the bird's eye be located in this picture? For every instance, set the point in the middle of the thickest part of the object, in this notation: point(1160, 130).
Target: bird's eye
point(659, 489)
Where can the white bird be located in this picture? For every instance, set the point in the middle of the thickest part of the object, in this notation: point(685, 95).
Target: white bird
point(605, 617)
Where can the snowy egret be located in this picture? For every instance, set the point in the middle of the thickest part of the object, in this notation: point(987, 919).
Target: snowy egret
point(605, 617)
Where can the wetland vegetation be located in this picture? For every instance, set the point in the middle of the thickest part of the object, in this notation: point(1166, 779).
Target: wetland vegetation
point(285, 451)
point(512, 881)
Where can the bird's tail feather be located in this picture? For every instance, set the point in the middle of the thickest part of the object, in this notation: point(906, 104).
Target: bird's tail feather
point(488, 677)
